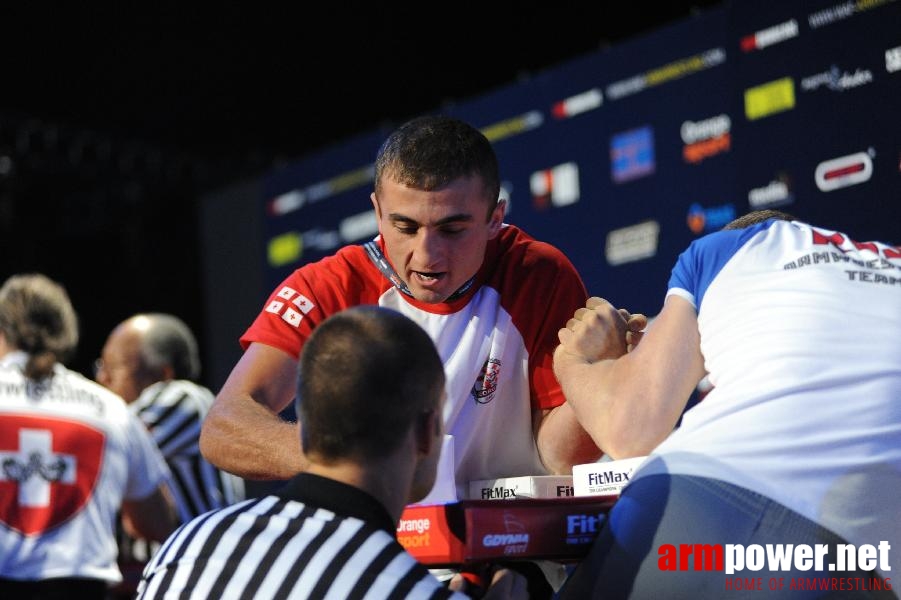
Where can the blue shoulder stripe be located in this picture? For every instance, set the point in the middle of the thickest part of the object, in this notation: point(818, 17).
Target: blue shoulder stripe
point(702, 261)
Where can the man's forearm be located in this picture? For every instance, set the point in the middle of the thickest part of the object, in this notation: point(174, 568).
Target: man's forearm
point(246, 439)
point(587, 398)
point(563, 442)
point(625, 412)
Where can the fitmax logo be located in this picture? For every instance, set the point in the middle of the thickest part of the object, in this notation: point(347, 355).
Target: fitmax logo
point(583, 529)
point(607, 477)
point(576, 524)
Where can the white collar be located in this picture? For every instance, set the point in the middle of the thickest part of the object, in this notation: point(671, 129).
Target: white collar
point(15, 358)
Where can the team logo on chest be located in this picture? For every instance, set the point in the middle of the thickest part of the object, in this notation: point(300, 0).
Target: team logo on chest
point(48, 471)
point(486, 383)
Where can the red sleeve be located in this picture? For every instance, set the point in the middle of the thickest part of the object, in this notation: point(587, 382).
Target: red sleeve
point(542, 291)
point(285, 321)
point(562, 293)
point(312, 293)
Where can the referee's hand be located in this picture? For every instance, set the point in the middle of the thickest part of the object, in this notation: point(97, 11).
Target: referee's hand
point(506, 584)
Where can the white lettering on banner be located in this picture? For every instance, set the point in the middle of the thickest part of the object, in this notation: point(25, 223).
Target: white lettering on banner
point(632, 243)
point(492, 540)
point(837, 80)
point(774, 193)
point(777, 33)
point(417, 525)
point(578, 104)
point(322, 240)
point(842, 11)
point(893, 59)
point(358, 226)
point(693, 131)
point(668, 72)
point(733, 558)
point(783, 557)
point(288, 202)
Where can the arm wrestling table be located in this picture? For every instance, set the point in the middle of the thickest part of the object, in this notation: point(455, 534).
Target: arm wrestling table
point(473, 531)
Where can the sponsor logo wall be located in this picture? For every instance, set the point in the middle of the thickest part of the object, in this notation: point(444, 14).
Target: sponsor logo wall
point(624, 156)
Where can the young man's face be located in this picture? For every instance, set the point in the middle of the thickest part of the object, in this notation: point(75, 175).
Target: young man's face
point(436, 240)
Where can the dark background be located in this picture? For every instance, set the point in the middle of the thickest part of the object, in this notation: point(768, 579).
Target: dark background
point(114, 122)
point(779, 94)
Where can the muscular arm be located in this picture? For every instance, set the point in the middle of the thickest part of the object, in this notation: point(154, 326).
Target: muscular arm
point(243, 433)
point(562, 441)
point(631, 403)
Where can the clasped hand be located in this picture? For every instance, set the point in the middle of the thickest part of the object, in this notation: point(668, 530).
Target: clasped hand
point(600, 331)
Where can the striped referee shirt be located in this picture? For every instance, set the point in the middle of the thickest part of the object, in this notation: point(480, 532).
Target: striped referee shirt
point(315, 538)
point(173, 411)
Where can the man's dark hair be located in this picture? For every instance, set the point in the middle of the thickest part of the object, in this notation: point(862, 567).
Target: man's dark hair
point(428, 152)
point(37, 317)
point(365, 374)
point(169, 341)
point(758, 216)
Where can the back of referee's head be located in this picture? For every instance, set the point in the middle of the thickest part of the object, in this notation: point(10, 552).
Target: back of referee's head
point(366, 375)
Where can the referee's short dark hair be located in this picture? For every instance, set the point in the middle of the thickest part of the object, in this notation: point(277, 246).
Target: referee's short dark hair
point(365, 374)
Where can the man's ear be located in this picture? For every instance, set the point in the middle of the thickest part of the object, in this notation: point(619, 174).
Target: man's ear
point(496, 219)
point(428, 428)
point(375, 206)
point(167, 373)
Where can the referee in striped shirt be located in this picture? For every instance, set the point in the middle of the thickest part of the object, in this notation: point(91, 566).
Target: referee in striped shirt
point(370, 394)
point(152, 361)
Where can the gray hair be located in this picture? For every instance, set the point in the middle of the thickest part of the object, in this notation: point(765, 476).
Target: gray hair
point(169, 341)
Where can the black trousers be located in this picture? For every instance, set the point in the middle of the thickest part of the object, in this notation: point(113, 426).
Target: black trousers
point(62, 588)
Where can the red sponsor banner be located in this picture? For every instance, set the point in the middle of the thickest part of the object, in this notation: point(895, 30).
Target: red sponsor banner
point(469, 531)
point(425, 531)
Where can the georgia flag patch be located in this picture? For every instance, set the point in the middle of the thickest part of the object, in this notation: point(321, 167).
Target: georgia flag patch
point(290, 305)
point(48, 470)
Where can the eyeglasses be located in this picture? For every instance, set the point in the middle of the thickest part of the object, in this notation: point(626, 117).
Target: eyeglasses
point(99, 365)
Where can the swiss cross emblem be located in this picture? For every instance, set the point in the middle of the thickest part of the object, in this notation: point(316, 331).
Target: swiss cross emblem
point(290, 305)
point(48, 470)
